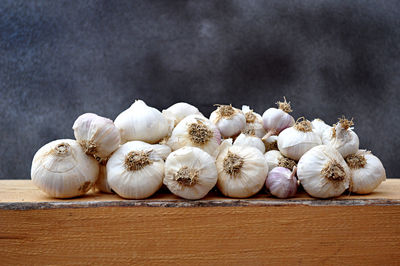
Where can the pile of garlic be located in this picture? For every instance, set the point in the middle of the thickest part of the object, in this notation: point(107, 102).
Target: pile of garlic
point(236, 150)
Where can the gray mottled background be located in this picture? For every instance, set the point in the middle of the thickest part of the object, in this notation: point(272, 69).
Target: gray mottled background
point(59, 59)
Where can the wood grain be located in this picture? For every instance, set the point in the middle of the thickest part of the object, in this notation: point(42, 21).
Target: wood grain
point(227, 233)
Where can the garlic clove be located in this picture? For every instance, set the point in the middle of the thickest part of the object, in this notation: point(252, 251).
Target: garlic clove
point(190, 173)
point(179, 111)
point(97, 135)
point(323, 172)
point(62, 170)
point(241, 171)
point(282, 182)
point(141, 122)
point(195, 131)
point(293, 142)
point(135, 170)
point(367, 172)
point(342, 137)
point(250, 141)
point(229, 120)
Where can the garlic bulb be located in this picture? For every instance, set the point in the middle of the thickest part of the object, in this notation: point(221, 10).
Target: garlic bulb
point(135, 170)
point(141, 122)
point(250, 140)
point(195, 131)
point(342, 137)
point(282, 182)
point(162, 149)
point(294, 141)
point(323, 172)
point(253, 121)
point(319, 126)
point(62, 169)
point(229, 120)
point(275, 120)
point(271, 143)
point(366, 170)
point(241, 171)
point(102, 183)
point(97, 135)
point(179, 111)
point(190, 173)
point(276, 159)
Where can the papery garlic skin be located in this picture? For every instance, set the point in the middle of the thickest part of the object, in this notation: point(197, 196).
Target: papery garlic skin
point(342, 138)
point(190, 173)
point(97, 135)
point(179, 111)
point(195, 131)
point(250, 141)
point(294, 141)
point(282, 182)
point(275, 120)
point(229, 120)
point(62, 169)
point(367, 172)
point(141, 122)
point(275, 159)
point(135, 170)
point(241, 171)
point(319, 126)
point(323, 172)
point(102, 183)
point(253, 122)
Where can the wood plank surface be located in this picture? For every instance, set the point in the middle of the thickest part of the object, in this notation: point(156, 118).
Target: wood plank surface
point(22, 194)
point(165, 230)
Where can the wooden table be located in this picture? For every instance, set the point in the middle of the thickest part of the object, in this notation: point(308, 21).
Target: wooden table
point(105, 229)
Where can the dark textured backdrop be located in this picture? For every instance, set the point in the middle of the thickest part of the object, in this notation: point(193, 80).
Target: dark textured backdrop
point(59, 59)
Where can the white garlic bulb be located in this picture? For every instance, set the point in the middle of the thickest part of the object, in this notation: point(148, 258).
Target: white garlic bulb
point(102, 183)
point(342, 137)
point(275, 120)
point(323, 172)
point(62, 169)
point(241, 171)
point(275, 159)
point(229, 120)
point(141, 122)
point(319, 126)
point(250, 140)
point(195, 131)
point(294, 141)
point(162, 149)
point(135, 170)
point(253, 121)
point(190, 173)
point(97, 135)
point(271, 143)
point(366, 170)
point(282, 182)
point(179, 111)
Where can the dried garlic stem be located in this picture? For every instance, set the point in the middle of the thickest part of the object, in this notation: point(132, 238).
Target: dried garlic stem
point(187, 176)
point(334, 172)
point(284, 106)
point(136, 160)
point(233, 163)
